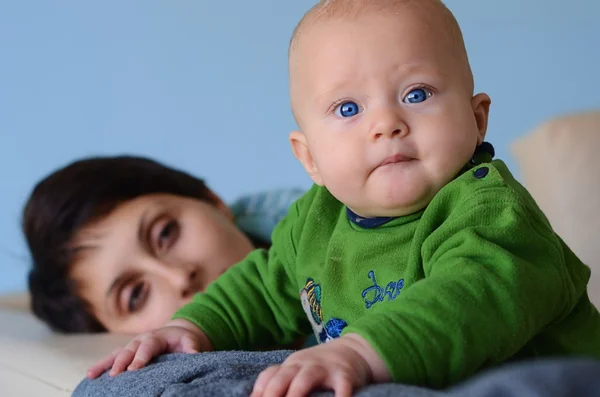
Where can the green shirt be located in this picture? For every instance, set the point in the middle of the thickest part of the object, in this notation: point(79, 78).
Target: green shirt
point(475, 279)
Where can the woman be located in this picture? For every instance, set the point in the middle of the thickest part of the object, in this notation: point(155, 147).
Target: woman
point(120, 243)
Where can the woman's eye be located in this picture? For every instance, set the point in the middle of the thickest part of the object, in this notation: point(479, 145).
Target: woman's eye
point(417, 95)
point(167, 235)
point(347, 109)
point(137, 298)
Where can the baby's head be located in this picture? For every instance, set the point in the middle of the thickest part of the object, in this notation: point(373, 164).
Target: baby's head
point(382, 92)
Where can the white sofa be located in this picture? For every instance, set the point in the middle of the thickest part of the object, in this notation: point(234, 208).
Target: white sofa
point(559, 162)
point(36, 362)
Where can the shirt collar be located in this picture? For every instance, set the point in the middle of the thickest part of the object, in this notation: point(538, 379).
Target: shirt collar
point(367, 223)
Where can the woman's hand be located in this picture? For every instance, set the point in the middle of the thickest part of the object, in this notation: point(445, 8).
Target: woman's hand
point(176, 336)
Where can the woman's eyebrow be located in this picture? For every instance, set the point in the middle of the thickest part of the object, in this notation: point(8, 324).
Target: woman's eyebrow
point(143, 226)
point(145, 219)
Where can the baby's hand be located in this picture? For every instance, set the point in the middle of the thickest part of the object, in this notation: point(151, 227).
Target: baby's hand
point(342, 365)
point(177, 336)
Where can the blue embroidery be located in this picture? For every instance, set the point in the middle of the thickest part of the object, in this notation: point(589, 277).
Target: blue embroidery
point(333, 329)
point(392, 290)
point(310, 298)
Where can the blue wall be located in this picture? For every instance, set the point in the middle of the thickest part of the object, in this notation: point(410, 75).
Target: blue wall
point(203, 85)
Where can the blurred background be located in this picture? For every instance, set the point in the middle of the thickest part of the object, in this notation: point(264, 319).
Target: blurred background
point(202, 85)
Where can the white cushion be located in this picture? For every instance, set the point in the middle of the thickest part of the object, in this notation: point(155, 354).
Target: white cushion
point(37, 362)
point(559, 163)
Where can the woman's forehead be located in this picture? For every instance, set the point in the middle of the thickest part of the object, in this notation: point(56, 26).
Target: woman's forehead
point(103, 248)
point(125, 216)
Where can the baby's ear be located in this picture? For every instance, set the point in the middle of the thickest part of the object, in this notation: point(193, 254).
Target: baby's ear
point(303, 154)
point(481, 110)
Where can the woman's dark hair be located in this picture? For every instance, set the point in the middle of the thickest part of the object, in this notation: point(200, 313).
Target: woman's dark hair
point(71, 198)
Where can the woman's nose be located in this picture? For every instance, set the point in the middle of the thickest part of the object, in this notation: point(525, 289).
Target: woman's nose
point(189, 286)
point(184, 281)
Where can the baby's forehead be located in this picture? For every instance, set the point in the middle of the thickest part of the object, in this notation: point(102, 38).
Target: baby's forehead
point(429, 22)
point(431, 12)
point(371, 38)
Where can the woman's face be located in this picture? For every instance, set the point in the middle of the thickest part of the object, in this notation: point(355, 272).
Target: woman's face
point(150, 256)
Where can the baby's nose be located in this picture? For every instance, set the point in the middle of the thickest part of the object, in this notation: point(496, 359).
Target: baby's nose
point(388, 125)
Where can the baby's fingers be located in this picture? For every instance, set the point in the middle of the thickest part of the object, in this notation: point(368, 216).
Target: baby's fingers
point(342, 385)
point(188, 345)
point(311, 378)
point(263, 380)
point(147, 350)
point(97, 369)
point(280, 382)
point(124, 358)
point(307, 380)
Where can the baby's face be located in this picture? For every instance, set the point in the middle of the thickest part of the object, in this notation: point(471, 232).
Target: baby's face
point(386, 110)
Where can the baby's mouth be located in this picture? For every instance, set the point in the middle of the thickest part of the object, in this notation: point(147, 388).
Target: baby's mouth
point(394, 159)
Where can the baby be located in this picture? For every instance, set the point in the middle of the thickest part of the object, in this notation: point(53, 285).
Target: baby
point(415, 256)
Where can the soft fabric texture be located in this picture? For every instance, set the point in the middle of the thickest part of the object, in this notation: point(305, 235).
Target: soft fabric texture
point(475, 279)
point(232, 374)
point(559, 163)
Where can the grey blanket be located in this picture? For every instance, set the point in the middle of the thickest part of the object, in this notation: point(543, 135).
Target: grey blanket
point(232, 374)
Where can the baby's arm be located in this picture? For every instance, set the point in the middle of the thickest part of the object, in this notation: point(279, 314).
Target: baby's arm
point(256, 303)
point(494, 278)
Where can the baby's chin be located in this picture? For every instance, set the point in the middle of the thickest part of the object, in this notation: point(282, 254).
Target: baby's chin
point(393, 208)
point(391, 202)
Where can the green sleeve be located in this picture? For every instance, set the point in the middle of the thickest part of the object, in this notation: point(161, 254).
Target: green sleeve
point(494, 277)
point(255, 304)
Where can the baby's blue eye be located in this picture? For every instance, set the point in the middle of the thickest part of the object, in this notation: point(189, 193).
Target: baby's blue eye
point(417, 95)
point(347, 109)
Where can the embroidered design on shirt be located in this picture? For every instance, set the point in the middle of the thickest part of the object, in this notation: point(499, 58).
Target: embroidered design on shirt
point(375, 293)
point(310, 296)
